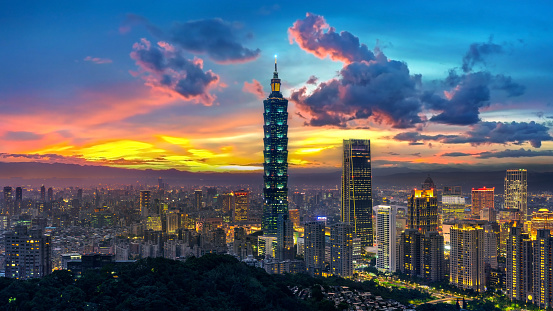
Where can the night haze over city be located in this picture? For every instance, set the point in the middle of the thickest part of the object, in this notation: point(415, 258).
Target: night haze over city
point(286, 155)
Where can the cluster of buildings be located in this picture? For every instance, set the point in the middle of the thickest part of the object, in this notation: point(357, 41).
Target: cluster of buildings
point(433, 234)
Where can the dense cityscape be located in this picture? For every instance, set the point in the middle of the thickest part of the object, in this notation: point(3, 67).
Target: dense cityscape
point(161, 158)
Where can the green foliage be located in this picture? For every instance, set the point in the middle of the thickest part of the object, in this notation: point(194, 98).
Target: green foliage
point(212, 282)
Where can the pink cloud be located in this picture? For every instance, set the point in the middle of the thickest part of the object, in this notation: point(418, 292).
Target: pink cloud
point(98, 60)
point(255, 88)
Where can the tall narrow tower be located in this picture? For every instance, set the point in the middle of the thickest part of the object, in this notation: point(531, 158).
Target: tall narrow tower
point(275, 152)
point(357, 189)
point(516, 191)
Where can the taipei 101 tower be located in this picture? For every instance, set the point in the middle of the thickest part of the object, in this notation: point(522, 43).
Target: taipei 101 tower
point(275, 152)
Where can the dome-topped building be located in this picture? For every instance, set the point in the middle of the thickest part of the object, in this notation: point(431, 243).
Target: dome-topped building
point(428, 183)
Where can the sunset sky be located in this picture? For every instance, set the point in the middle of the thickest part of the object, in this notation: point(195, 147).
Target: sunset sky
point(160, 85)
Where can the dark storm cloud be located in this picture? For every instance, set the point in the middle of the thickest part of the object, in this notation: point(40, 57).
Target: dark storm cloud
point(488, 133)
point(21, 136)
point(164, 67)
point(515, 153)
point(477, 53)
point(381, 89)
point(505, 83)
point(214, 37)
point(314, 35)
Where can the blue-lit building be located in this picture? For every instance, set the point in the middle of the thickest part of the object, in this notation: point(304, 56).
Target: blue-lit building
point(275, 153)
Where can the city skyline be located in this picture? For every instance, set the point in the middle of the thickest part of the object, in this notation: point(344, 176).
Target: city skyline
point(147, 87)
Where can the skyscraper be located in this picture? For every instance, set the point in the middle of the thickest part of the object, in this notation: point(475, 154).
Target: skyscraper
point(482, 198)
point(341, 252)
point(43, 193)
point(516, 191)
point(357, 189)
point(466, 267)
point(422, 210)
point(543, 269)
point(386, 238)
point(144, 203)
point(285, 238)
point(314, 247)
point(519, 265)
point(275, 154)
point(50, 194)
point(198, 199)
point(241, 204)
point(8, 200)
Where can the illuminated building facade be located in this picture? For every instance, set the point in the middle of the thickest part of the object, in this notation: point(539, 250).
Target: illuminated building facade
point(432, 257)
point(145, 198)
point(227, 202)
point(466, 268)
point(519, 265)
point(28, 253)
point(453, 207)
point(295, 217)
point(482, 198)
point(386, 238)
point(314, 235)
point(409, 250)
point(198, 197)
point(542, 219)
point(422, 210)
point(357, 189)
point(543, 269)
point(516, 191)
point(242, 199)
point(275, 154)
point(341, 253)
point(8, 201)
point(285, 239)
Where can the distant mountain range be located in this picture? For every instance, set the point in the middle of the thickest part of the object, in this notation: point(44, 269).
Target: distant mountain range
point(57, 175)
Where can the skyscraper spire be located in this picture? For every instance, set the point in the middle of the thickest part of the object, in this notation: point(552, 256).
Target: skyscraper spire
point(275, 74)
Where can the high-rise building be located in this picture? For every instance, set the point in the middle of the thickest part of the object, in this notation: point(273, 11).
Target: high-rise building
point(198, 199)
point(386, 238)
point(409, 253)
point(432, 257)
point(28, 253)
point(314, 234)
point(8, 200)
point(295, 217)
point(491, 245)
point(50, 194)
point(241, 204)
point(275, 142)
point(43, 193)
point(453, 207)
point(482, 198)
point(519, 265)
point(466, 267)
point(516, 191)
point(455, 190)
point(227, 202)
point(357, 189)
point(285, 238)
point(19, 194)
point(422, 209)
point(341, 253)
point(144, 203)
point(542, 219)
point(543, 269)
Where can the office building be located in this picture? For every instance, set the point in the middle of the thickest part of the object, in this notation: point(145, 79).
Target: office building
point(285, 238)
point(432, 257)
point(28, 253)
point(516, 191)
point(43, 193)
point(422, 208)
point(50, 194)
point(357, 189)
point(519, 265)
point(542, 219)
point(341, 253)
point(227, 202)
point(145, 203)
point(241, 205)
point(295, 217)
point(542, 286)
point(198, 197)
point(8, 201)
point(453, 207)
point(275, 152)
point(491, 245)
point(482, 198)
point(466, 267)
point(409, 253)
point(314, 236)
point(386, 238)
